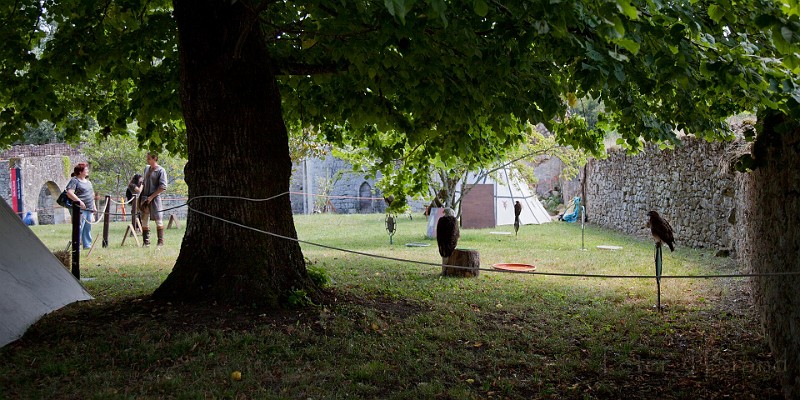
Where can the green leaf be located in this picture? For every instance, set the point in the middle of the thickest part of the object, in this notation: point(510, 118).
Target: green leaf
point(793, 7)
point(629, 45)
point(673, 49)
point(398, 8)
point(617, 56)
point(481, 8)
point(716, 13)
point(787, 33)
point(779, 39)
point(308, 43)
point(390, 7)
point(619, 73)
point(628, 9)
point(619, 26)
point(438, 8)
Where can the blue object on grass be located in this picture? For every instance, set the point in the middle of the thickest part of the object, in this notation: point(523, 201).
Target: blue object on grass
point(572, 217)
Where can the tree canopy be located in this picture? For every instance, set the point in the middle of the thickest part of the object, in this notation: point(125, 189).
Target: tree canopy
point(404, 78)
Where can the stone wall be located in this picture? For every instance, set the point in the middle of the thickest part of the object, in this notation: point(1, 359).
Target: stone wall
point(690, 186)
point(548, 173)
point(351, 193)
point(5, 181)
point(43, 179)
point(34, 150)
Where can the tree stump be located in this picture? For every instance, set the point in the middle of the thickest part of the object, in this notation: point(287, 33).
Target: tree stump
point(469, 260)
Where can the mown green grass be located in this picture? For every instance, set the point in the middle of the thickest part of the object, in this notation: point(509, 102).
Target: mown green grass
point(399, 330)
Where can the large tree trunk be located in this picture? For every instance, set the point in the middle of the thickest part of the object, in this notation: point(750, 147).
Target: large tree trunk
point(772, 241)
point(238, 146)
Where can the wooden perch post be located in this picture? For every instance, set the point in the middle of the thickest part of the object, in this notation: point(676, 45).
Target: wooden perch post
point(469, 260)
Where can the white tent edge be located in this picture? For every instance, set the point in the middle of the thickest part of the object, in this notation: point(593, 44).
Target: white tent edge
point(33, 282)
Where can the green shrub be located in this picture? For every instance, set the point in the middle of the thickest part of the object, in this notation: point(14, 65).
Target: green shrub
point(319, 276)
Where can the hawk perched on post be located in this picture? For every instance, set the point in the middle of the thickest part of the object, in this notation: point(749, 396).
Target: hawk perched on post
point(517, 212)
point(447, 233)
point(661, 230)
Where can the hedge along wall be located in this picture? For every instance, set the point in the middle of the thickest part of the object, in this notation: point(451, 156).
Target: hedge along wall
point(690, 186)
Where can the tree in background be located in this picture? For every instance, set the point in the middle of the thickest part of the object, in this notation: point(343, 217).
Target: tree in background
point(114, 160)
point(43, 133)
point(444, 184)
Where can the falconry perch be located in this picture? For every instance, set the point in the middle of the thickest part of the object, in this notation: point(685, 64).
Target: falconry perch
point(447, 233)
point(661, 230)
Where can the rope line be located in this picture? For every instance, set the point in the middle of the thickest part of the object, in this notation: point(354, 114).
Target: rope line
point(95, 212)
point(564, 274)
point(139, 212)
point(122, 203)
point(336, 197)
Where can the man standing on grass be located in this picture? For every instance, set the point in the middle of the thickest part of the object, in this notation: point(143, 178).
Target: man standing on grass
point(155, 183)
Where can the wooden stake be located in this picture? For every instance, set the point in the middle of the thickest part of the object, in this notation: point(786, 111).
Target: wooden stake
point(172, 220)
point(132, 231)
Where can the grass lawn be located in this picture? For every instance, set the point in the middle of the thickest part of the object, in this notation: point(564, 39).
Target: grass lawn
point(399, 330)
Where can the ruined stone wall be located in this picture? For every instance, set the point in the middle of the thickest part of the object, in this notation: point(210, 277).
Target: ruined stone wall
point(345, 187)
point(43, 179)
point(351, 192)
point(690, 186)
point(548, 173)
point(39, 150)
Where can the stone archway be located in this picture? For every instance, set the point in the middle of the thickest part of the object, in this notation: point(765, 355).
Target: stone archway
point(365, 201)
point(48, 211)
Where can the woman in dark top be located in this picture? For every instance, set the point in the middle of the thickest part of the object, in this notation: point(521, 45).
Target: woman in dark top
point(81, 191)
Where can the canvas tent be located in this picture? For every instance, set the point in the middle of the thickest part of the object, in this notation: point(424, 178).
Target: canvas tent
point(490, 201)
point(32, 280)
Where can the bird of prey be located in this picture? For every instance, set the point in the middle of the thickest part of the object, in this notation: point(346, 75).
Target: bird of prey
point(517, 212)
point(661, 230)
point(447, 233)
point(388, 199)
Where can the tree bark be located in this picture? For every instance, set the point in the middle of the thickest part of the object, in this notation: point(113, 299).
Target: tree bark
point(469, 259)
point(771, 220)
point(237, 146)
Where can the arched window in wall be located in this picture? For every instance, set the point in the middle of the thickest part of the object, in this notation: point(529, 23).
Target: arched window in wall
point(364, 203)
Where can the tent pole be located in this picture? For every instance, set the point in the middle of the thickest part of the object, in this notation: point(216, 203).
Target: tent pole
point(106, 221)
point(76, 244)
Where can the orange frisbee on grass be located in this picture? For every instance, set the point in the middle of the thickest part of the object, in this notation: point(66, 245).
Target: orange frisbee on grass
point(514, 267)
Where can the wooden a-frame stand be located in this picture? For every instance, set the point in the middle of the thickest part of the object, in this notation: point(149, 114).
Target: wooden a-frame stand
point(131, 230)
point(172, 220)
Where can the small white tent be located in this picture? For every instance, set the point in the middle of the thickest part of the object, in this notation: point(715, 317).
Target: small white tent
point(32, 280)
point(507, 188)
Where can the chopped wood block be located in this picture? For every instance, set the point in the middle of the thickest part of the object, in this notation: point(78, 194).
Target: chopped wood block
point(469, 261)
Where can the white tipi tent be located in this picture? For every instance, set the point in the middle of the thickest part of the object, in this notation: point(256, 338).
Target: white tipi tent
point(32, 280)
point(507, 188)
